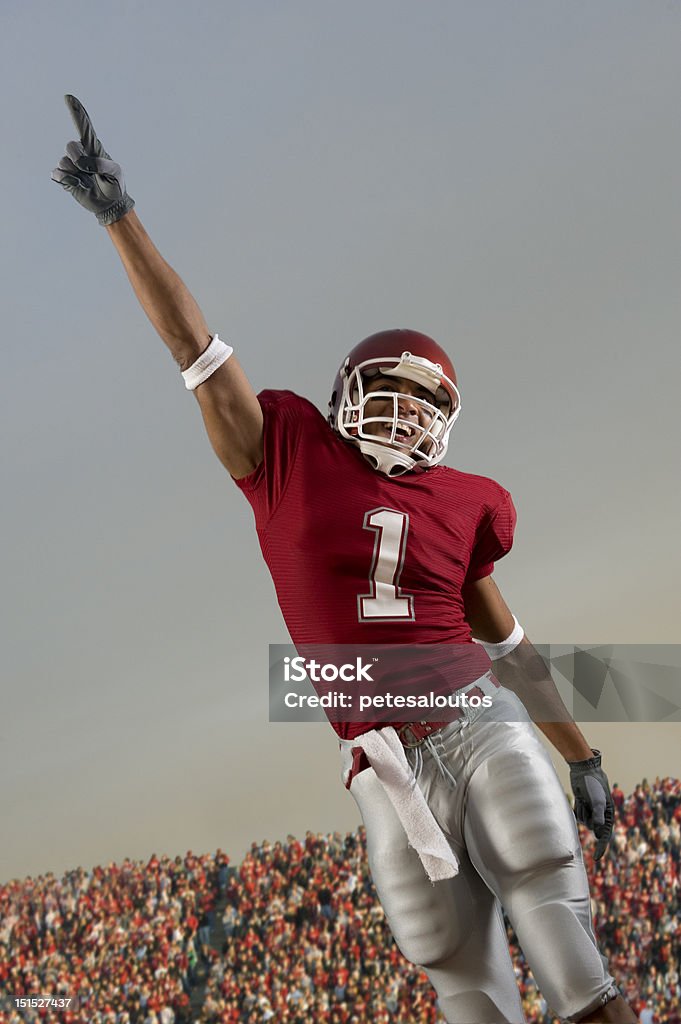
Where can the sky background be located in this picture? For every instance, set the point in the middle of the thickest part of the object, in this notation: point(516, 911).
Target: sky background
point(504, 177)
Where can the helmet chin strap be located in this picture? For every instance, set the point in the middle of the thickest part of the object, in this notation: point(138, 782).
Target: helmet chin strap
point(386, 460)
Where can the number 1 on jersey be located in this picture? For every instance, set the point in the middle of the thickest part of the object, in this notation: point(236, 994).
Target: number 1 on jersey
point(386, 601)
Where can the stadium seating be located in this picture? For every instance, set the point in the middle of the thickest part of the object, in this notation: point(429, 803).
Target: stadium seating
point(294, 933)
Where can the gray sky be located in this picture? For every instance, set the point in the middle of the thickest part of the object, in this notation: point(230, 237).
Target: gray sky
point(502, 176)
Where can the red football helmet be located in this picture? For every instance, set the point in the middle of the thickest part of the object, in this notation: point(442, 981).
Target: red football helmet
point(393, 442)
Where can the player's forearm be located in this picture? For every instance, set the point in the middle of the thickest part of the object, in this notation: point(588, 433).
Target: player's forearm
point(163, 296)
point(568, 739)
point(524, 672)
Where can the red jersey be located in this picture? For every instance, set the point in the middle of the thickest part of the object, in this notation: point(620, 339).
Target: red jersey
point(361, 558)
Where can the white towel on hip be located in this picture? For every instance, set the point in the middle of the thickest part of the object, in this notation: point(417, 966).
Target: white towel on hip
point(386, 755)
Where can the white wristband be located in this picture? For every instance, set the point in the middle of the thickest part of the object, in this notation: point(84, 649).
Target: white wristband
point(500, 650)
point(207, 363)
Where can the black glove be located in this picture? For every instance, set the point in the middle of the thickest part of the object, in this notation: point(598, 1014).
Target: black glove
point(593, 802)
point(88, 172)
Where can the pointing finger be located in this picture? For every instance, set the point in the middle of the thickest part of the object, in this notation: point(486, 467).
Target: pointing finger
point(81, 119)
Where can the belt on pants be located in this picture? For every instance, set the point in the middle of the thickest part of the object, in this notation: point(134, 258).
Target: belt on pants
point(413, 734)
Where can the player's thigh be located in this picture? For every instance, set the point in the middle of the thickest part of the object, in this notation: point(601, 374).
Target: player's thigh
point(430, 922)
point(517, 820)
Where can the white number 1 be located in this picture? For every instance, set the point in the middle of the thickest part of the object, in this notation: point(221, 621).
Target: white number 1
point(385, 600)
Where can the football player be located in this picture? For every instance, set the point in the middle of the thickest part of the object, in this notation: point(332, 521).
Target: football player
point(403, 553)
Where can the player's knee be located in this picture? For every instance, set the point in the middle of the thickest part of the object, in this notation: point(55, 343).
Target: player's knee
point(428, 940)
point(429, 951)
point(552, 852)
point(547, 853)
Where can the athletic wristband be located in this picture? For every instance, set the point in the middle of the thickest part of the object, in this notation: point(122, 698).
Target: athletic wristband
point(589, 763)
point(496, 651)
point(215, 355)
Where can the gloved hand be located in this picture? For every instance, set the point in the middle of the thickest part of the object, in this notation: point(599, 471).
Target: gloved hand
point(88, 172)
point(594, 806)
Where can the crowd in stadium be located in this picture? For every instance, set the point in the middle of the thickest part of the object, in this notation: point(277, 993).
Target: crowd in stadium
point(304, 937)
point(123, 939)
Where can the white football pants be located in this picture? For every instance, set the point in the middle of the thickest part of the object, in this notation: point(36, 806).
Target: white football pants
point(505, 813)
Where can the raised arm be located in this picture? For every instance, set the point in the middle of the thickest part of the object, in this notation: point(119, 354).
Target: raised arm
point(229, 406)
point(230, 409)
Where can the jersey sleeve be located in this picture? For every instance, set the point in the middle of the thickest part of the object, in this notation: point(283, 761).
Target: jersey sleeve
point(493, 538)
point(284, 418)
